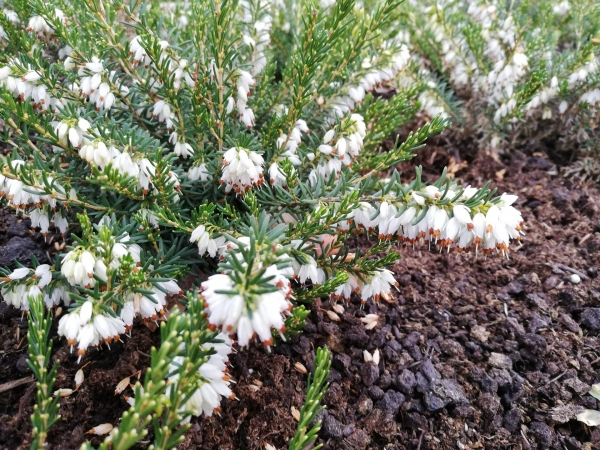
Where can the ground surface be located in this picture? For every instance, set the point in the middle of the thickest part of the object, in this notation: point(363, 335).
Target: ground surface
point(490, 354)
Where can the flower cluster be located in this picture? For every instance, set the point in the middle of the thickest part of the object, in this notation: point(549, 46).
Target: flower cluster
point(341, 146)
point(199, 172)
point(374, 77)
point(98, 153)
point(31, 283)
point(245, 314)
point(79, 267)
point(163, 112)
point(372, 286)
point(149, 307)
point(26, 85)
point(427, 217)
point(139, 53)
point(248, 310)
point(93, 85)
point(40, 27)
point(45, 206)
point(242, 169)
point(88, 327)
point(72, 132)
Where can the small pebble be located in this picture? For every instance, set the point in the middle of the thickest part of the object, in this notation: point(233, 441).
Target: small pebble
point(575, 279)
point(375, 392)
point(392, 401)
point(364, 405)
point(406, 381)
point(590, 318)
point(370, 373)
point(501, 361)
point(542, 433)
point(349, 429)
point(332, 428)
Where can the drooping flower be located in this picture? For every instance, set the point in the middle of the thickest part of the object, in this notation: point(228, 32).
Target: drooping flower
point(148, 309)
point(380, 283)
point(345, 291)
point(183, 149)
point(244, 81)
point(164, 113)
point(43, 274)
point(19, 273)
point(78, 268)
point(387, 221)
point(98, 153)
point(140, 55)
point(94, 84)
point(289, 143)
point(207, 244)
point(73, 132)
point(309, 271)
point(199, 173)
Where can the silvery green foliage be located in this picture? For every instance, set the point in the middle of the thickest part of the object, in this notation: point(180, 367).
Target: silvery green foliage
point(234, 137)
point(522, 68)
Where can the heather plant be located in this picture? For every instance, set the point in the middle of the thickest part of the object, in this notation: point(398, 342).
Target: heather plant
point(240, 140)
point(520, 71)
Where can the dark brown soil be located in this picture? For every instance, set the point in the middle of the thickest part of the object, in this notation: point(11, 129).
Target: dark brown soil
point(475, 353)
